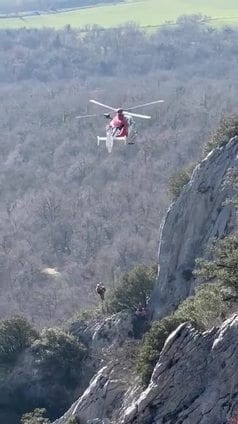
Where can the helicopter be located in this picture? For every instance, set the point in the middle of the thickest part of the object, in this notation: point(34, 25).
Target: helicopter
point(122, 127)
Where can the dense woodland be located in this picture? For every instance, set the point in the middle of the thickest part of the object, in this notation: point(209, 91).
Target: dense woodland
point(67, 204)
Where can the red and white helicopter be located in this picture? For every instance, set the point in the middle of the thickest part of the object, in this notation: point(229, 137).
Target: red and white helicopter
point(126, 132)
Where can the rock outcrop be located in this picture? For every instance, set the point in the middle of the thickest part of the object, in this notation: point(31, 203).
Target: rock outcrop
point(194, 382)
point(99, 400)
point(198, 215)
point(108, 341)
point(104, 332)
point(196, 378)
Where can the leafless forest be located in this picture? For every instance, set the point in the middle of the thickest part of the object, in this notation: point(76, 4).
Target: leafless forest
point(68, 205)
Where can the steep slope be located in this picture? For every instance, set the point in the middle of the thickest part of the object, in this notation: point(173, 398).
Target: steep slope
point(195, 379)
point(197, 217)
point(111, 350)
point(194, 382)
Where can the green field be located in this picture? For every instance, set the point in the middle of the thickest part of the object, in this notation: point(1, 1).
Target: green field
point(143, 12)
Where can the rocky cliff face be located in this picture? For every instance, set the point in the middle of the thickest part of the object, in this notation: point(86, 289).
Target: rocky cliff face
point(196, 378)
point(102, 397)
point(197, 216)
point(105, 333)
point(194, 382)
point(108, 343)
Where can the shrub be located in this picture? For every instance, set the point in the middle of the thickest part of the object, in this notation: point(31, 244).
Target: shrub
point(132, 288)
point(232, 182)
point(73, 420)
point(35, 417)
point(16, 334)
point(201, 310)
point(152, 346)
point(227, 129)
point(59, 353)
point(204, 308)
point(179, 179)
point(223, 267)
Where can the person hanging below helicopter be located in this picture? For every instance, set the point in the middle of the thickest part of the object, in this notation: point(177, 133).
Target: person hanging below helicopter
point(100, 289)
point(119, 124)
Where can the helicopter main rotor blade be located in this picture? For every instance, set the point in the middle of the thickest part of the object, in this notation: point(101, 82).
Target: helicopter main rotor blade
point(103, 105)
point(87, 116)
point(145, 104)
point(137, 115)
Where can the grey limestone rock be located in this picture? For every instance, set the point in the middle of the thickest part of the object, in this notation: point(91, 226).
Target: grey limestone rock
point(105, 339)
point(113, 331)
point(195, 380)
point(97, 403)
point(105, 332)
point(197, 217)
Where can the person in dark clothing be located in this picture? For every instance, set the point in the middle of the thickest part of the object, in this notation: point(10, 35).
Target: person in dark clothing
point(100, 290)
